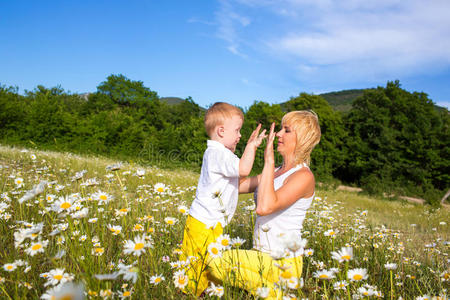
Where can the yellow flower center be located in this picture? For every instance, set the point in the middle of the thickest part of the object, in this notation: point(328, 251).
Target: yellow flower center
point(123, 210)
point(346, 257)
point(10, 267)
point(286, 274)
point(66, 205)
point(182, 280)
point(67, 297)
point(357, 277)
point(138, 226)
point(103, 197)
point(36, 247)
point(182, 210)
point(158, 280)
point(58, 277)
point(215, 251)
point(138, 246)
point(99, 250)
point(126, 294)
point(160, 189)
point(323, 276)
point(170, 222)
point(225, 242)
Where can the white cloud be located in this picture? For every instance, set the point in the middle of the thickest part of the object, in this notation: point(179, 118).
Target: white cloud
point(229, 23)
point(367, 38)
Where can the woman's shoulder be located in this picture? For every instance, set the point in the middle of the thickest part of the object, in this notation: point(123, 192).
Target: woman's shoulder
point(302, 174)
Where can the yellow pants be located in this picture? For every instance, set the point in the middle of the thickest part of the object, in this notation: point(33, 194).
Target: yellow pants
point(251, 269)
point(196, 239)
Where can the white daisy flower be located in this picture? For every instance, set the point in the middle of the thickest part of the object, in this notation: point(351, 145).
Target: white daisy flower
point(115, 229)
point(102, 197)
point(357, 274)
point(183, 209)
point(156, 279)
point(170, 220)
point(180, 279)
point(262, 292)
point(215, 250)
point(324, 274)
point(9, 267)
point(237, 242)
point(215, 290)
point(224, 240)
point(136, 247)
point(56, 277)
point(390, 266)
point(19, 182)
point(37, 247)
point(345, 254)
point(160, 188)
point(340, 285)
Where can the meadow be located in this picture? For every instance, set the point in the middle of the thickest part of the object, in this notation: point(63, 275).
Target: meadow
point(83, 226)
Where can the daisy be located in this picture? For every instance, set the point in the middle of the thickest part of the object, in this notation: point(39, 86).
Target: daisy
point(345, 254)
point(340, 285)
point(215, 290)
point(138, 227)
point(128, 272)
point(237, 242)
point(390, 266)
point(262, 292)
point(183, 209)
point(159, 187)
point(136, 247)
point(115, 229)
point(102, 197)
point(19, 182)
point(156, 279)
point(37, 247)
point(9, 267)
point(63, 204)
point(170, 220)
point(357, 274)
point(294, 283)
point(324, 274)
point(366, 292)
point(332, 233)
point(224, 241)
point(215, 250)
point(121, 212)
point(67, 290)
point(180, 279)
point(57, 276)
point(309, 252)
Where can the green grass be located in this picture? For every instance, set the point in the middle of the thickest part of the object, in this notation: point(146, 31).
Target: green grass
point(378, 230)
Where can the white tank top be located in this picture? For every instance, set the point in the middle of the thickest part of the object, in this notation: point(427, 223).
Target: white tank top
point(269, 228)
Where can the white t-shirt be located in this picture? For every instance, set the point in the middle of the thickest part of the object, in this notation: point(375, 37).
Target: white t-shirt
point(219, 175)
point(269, 228)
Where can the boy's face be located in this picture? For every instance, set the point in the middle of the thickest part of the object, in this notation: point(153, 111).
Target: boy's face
point(231, 132)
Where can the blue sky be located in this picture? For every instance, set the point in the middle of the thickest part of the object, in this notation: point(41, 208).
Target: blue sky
point(237, 51)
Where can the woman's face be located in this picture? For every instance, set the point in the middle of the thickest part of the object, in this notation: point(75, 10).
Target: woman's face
point(287, 139)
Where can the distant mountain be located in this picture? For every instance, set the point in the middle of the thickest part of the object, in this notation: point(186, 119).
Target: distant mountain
point(342, 100)
point(172, 100)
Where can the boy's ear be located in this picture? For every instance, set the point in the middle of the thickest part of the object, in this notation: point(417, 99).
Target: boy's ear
point(220, 130)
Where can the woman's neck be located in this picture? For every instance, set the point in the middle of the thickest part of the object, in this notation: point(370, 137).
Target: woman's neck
point(288, 163)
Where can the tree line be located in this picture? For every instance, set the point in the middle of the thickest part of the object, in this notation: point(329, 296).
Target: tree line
point(391, 141)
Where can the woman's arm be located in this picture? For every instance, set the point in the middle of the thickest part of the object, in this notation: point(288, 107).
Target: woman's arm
point(297, 185)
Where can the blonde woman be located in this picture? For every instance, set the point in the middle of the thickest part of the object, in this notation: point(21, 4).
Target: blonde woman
point(283, 195)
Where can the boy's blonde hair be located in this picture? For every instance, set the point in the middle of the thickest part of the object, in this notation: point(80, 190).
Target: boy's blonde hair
point(305, 124)
point(218, 113)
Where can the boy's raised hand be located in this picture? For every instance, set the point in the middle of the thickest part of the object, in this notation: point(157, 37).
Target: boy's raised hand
point(256, 138)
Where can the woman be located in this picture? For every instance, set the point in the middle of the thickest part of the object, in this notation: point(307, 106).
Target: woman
point(283, 196)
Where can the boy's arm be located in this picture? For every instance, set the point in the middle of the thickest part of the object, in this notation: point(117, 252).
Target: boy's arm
point(248, 184)
point(247, 159)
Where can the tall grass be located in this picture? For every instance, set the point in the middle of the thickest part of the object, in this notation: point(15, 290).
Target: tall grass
point(141, 199)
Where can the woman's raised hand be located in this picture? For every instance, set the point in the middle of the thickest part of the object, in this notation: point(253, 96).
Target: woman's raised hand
point(268, 153)
point(256, 138)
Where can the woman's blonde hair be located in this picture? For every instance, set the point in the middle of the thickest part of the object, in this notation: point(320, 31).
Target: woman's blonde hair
point(218, 113)
point(305, 124)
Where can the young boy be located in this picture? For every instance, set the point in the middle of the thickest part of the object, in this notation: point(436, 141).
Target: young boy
point(217, 191)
